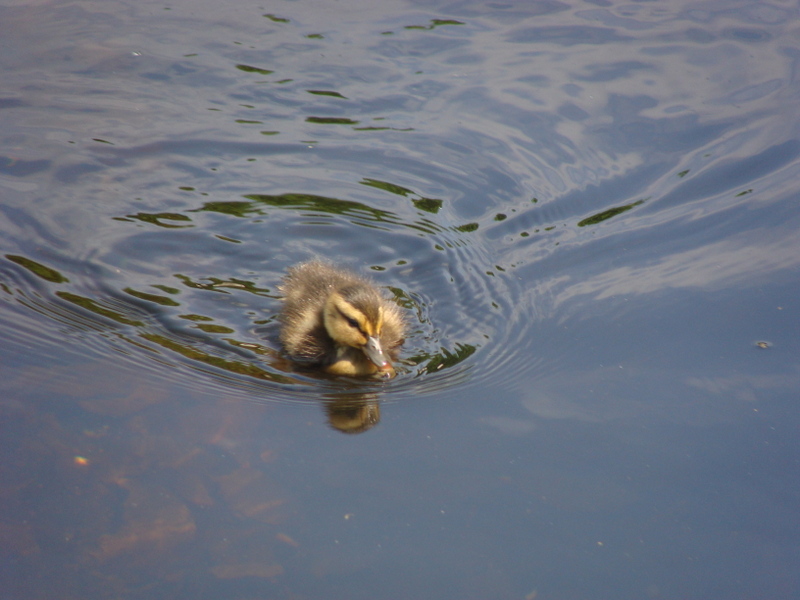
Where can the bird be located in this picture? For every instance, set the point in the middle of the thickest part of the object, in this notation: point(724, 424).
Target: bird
point(339, 321)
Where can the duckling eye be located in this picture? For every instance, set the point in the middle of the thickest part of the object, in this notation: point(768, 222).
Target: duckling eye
point(352, 322)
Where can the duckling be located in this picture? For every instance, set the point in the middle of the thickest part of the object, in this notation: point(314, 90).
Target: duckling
point(339, 321)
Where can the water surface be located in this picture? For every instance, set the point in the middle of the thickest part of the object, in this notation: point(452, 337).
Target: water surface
point(588, 211)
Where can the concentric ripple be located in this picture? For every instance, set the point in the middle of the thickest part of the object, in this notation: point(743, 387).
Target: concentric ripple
point(205, 316)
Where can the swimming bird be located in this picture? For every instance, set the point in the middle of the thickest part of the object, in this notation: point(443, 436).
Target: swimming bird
point(339, 321)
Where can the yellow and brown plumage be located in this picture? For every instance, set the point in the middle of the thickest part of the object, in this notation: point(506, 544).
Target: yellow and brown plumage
point(339, 321)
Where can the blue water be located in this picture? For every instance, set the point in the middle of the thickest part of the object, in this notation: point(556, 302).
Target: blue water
point(588, 210)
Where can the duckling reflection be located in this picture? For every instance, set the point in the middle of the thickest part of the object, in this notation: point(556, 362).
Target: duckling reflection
point(354, 414)
point(338, 321)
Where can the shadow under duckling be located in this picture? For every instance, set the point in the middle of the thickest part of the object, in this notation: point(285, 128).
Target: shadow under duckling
point(339, 321)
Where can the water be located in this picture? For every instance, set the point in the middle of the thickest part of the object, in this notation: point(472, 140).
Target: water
point(588, 211)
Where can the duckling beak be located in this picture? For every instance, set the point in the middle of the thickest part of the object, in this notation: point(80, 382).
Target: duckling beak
point(375, 353)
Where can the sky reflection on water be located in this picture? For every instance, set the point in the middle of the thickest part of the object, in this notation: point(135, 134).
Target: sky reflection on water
point(587, 209)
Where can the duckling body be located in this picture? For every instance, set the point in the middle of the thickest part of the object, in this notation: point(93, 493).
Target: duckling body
point(339, 321)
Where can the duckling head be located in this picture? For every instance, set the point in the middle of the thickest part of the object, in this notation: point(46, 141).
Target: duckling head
point(353, 318)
